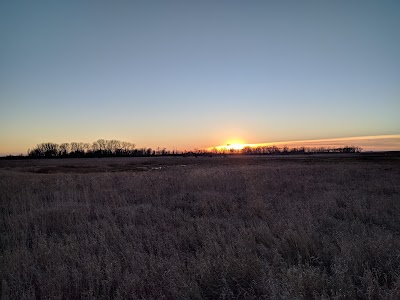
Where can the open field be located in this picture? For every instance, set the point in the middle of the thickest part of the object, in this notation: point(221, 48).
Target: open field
point(236, 227)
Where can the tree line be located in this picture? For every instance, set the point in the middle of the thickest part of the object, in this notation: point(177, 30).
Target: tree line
point(299, 150)
point(274, 150)
point(115, 148)
point(99, 148)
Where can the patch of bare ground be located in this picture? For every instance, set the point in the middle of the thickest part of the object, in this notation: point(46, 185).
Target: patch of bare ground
point(301, 227)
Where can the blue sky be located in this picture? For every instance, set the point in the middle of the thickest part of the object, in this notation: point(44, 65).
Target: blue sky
point(192, 74)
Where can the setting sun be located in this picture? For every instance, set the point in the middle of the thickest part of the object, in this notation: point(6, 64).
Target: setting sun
point(235, 146)
point(231, 145)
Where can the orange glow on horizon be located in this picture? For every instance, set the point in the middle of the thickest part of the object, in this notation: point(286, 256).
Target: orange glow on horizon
point(237, 146)
point(233, 144)
point(367, 143)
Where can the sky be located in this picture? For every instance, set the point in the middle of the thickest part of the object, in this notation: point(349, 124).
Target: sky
point(193, 74)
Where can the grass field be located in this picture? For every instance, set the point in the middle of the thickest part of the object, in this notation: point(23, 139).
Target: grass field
point(236, 227)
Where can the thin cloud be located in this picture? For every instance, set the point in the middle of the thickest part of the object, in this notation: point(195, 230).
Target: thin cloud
point(367, 143)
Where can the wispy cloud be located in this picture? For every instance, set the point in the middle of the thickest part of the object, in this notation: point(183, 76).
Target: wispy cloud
point(367, 143)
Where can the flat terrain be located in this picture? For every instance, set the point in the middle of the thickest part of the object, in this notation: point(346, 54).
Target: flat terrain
point(236, 227)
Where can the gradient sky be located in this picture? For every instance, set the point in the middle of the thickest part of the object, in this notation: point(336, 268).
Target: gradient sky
point(193, 74)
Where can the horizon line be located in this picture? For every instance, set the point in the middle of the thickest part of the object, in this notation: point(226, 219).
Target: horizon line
point(320, 141)
point(385, 142)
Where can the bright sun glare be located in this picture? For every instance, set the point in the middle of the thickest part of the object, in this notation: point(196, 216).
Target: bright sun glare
point(231, 145)
point(235, 146)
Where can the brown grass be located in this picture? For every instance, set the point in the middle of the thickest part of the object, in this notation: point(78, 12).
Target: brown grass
point(324, 227)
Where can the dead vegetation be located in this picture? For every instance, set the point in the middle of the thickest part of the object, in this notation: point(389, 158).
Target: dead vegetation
point(206, 228)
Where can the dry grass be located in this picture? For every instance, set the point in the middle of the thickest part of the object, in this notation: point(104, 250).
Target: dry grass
point(205, 228)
